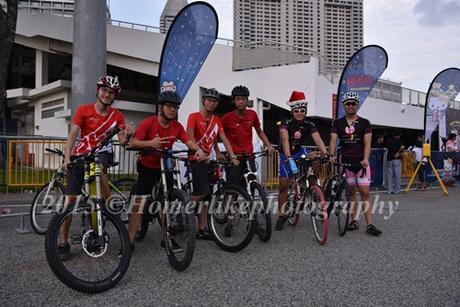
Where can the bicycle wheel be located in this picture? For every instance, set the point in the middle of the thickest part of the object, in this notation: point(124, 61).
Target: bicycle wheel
point(263, 215)
point(342, 206)
point(319, 218)
point(230, 220)
point(45, 205)
point(95, 264)
point(180, 230)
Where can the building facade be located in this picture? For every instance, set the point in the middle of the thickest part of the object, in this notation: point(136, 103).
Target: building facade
point(331, 28)
point(172, 8)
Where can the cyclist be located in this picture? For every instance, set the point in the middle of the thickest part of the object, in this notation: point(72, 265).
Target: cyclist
point(92, 121)
point(157, 132)
point(204, 128)
point(355, 135)
point(238, 126)
point(294, 135)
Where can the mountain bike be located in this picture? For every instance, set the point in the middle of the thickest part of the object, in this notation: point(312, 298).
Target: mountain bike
point(337, 195)
point(230, 210)
point(50, 198)
point(171, 206)
point(305, 194)
point(100, 250)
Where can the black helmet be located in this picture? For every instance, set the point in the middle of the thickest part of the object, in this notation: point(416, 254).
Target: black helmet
point(240, 90)
point(169, 97)
point(211, 93)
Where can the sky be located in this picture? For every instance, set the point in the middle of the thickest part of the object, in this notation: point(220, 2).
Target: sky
point(421, 37)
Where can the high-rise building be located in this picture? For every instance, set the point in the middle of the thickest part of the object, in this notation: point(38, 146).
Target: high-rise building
point(56, 7)
point(333, 28)
point(172, 8)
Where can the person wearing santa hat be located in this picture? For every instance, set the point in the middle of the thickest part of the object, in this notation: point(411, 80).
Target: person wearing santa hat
point(355, 135)
point(295, 133)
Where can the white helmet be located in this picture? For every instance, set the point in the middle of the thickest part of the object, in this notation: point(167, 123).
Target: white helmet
point(350, 96)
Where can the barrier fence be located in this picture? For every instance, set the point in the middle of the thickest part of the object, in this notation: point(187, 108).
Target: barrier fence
point(26, 165)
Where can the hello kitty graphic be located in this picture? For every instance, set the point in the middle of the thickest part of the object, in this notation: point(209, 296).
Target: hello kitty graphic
point(168, 86)
point(438, 105)
point(297, 135)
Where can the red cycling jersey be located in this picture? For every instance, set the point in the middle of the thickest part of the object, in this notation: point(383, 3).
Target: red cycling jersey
point(239, 130)
point(94, 127)
point(205, 131)
point(149, 129)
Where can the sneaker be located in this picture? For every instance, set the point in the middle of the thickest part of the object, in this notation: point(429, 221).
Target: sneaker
point(354, 225)
point(203, 234)
point(280, 223)
point(64, 251)
point(228, 231)
point(372, 230)
point(175, 246)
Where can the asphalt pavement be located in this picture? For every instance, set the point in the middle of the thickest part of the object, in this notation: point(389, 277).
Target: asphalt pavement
point(416, 261)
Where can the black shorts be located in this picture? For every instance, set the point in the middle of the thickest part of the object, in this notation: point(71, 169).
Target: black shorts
point(235, 173)
point(200, 178)
point(76, 174)
point(146, 179)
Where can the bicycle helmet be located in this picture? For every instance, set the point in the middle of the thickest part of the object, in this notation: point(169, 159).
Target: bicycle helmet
point(240, 90)
point(350, 96)
point(169, 97)
point(211, 93)
point(110, 82)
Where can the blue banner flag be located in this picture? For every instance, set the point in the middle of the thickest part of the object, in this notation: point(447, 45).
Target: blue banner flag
point(361, 73)
point(441, 97)
point(187, 45)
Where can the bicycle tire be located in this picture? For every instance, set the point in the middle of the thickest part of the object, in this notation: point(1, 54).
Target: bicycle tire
point(67, 276)
point(264, 233)
point(232, 220)
point(292, 209)
point(319, 218)
point(37, 224)
point(342, 207)
point(181, 228)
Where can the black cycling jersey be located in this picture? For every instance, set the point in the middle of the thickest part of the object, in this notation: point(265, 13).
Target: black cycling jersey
point(299, 132)
point(351, 138)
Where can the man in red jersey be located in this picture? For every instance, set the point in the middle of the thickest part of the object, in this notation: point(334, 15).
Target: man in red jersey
point(157, 132)
point(238, 126)
point(93, 122)
point(204, 128)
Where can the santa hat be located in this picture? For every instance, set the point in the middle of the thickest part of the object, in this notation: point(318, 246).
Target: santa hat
point(297, 100)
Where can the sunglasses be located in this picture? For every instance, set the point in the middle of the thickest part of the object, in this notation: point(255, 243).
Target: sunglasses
point(350, 104)
point(299, 111)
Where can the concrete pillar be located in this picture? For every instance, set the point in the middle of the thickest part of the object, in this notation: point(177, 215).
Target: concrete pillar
point(41, 68)
point(89, 52)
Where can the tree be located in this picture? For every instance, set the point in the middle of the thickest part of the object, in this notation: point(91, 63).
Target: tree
point(8, 18)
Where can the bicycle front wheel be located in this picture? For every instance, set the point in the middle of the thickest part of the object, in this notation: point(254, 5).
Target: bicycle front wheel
point(262, 212)
point(47, 202)
point(230, 219)
point(319, 218)
point(95, 264)
point(180, 230)
point(342, 206)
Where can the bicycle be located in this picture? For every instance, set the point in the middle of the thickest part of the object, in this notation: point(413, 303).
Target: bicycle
point(173, 210)
point(230, 215)
point(50, 197)
point(258, 194)
point(337, 194)
point(305, 194)
point(100, 250)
